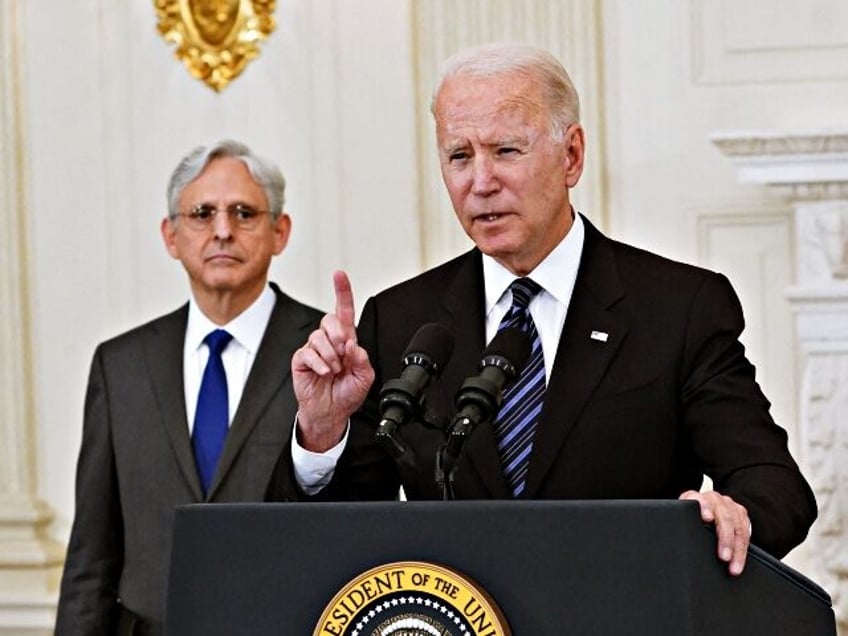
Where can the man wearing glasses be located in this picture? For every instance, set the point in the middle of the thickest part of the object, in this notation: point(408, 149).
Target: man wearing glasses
point(195, 406)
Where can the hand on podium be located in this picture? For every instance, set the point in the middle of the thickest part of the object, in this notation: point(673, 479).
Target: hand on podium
point(733, 527)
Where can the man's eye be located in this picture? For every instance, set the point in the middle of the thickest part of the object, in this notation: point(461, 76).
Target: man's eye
point(507, 150)
point(457, 156)
point(245, 213)
point(202, 214)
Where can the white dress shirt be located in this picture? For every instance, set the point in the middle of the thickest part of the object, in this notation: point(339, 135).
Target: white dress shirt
point(556, 274)
point(247, 330)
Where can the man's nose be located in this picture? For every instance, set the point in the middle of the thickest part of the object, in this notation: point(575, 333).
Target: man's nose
point(484, 180)
point(222, 225)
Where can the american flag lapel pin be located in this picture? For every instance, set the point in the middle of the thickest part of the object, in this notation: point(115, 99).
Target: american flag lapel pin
point(601, 336)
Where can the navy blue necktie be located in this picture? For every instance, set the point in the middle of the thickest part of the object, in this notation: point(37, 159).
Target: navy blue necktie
point(515, 424)
point(211, 419)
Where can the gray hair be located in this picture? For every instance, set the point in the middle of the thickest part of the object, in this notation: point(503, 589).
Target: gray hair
point(492, 60)
point(263, 171)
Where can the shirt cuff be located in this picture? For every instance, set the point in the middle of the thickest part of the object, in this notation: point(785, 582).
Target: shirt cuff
point(313, 471)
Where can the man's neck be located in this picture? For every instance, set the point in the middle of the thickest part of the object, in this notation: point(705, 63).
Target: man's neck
point(524, 266)
point(221, 307)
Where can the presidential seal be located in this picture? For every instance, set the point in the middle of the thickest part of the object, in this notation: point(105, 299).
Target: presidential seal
point(411, 598)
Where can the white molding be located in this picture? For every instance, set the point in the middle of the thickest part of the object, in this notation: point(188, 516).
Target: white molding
point(803, 42)
point(814, 165)
point(793, 169)
point(821, 315)
point(16, 406)
point(825, 444)
point(735, 144)
point(801, 294)
point(27, 615)
point(30, 563)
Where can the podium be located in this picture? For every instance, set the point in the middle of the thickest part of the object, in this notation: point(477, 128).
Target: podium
point(554, 568)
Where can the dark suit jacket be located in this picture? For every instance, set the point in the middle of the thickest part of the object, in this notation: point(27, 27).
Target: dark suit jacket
point(136, 462)
point(669, 397)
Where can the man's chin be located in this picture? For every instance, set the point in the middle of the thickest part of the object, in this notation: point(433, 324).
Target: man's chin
point(496, 249)
point(221, 284)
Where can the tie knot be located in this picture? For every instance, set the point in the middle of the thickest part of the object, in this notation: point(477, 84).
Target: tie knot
point(523, 289)
point(217, 341)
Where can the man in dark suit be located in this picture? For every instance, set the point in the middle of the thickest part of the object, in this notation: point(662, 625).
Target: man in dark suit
point(641, 386)
point(146, 447)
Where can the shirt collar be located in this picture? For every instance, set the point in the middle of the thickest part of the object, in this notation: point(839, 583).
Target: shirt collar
point(556, 273)
point(247, 328)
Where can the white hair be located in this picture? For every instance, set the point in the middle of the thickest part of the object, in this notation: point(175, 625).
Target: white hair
point(263, 171)
point(492, 60)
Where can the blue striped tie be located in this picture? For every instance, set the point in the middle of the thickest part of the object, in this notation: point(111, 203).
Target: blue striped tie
point(211, 419)
point(516, 421)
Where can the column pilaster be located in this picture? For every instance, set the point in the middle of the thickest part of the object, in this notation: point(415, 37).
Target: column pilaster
point(30, 563)
point(811, 171)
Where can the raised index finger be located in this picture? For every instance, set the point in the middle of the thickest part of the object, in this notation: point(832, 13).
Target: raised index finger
point(344, 299)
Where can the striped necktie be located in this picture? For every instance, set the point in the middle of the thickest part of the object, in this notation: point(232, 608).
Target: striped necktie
point(211, 419)
point(516, 421)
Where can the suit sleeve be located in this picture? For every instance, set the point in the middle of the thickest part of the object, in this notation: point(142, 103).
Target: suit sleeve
point(733, 435)
point(88, 602)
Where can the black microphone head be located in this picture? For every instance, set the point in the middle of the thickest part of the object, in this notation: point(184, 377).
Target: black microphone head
point(510, 344)
point(431, 346)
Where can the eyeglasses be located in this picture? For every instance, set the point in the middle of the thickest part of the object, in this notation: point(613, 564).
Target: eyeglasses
point(202, 217)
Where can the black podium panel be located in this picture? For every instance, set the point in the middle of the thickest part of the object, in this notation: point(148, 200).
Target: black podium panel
point(554, 568)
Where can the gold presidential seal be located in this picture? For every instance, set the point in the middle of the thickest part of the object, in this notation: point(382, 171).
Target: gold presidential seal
point(411, 598)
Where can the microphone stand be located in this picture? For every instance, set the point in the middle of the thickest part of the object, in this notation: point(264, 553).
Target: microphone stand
point(478, 403)
point(394, 445)
point(444, 479)
point(447, 460)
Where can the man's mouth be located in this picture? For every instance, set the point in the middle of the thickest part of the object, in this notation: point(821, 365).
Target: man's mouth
point(491, 217)
point(222, 257)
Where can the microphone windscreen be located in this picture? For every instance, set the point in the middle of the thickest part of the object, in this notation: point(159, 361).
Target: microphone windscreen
point(434, 340)
point(510, 343)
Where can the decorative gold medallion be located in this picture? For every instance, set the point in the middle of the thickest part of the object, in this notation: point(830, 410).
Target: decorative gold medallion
point(411, 598)
point(215, 38)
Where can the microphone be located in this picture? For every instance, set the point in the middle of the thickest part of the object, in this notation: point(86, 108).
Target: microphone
point(480, 396)
point(401, 399)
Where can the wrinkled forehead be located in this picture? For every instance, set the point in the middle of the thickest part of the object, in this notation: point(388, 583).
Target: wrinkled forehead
point(223, 180)
point(467, 103)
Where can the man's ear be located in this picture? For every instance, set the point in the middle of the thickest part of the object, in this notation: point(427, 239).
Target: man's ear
point(282, 231)
point(575, 149)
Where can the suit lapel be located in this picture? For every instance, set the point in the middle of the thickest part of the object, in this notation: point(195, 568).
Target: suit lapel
point(467, 320)
point(164, 356)
point(288, 329)
point(465, 317)
point(581, 359)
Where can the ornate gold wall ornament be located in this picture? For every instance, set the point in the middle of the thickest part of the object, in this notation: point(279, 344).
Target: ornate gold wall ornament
point(215, 38)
